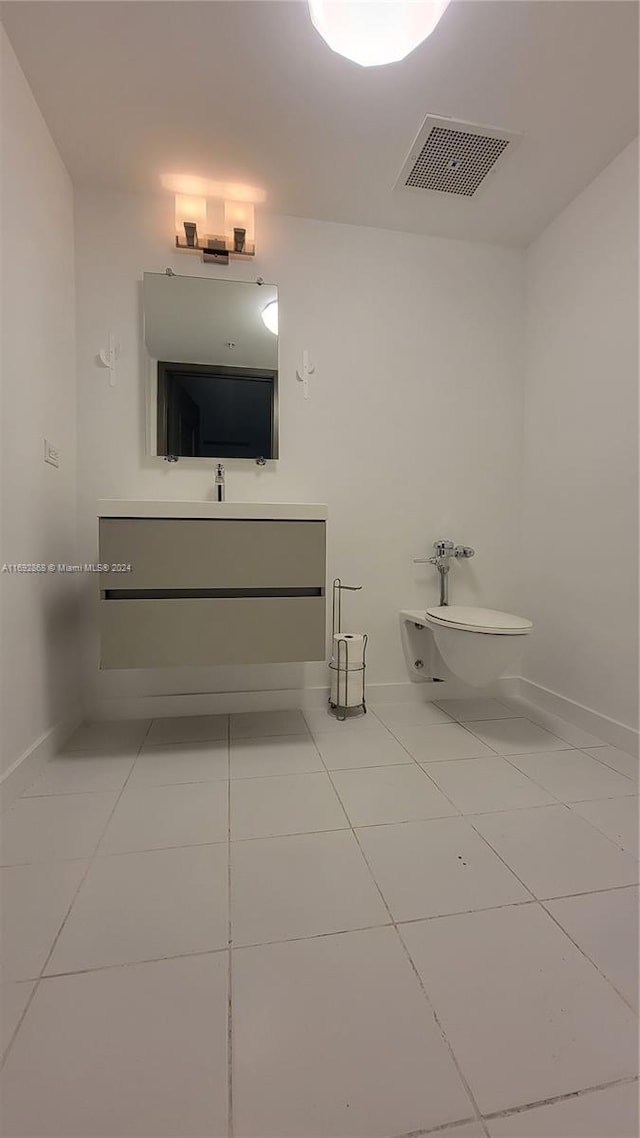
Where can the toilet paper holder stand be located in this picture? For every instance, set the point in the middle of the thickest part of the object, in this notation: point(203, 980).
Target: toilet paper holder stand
point(340, 663)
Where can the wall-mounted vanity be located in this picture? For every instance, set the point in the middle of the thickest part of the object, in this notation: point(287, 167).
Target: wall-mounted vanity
point(211, 583)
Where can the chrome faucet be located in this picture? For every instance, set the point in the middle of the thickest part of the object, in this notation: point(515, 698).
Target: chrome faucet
point(444, 551)
point(219, 483)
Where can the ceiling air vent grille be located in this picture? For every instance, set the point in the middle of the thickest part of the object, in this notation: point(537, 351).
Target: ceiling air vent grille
point(451, 157)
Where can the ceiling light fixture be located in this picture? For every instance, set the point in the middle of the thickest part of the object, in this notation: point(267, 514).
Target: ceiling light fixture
point(374, 32)
point(270, 316)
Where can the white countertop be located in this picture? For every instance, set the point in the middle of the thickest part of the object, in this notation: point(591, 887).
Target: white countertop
point(242, 511)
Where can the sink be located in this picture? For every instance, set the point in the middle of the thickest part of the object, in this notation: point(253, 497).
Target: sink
point(243, 511)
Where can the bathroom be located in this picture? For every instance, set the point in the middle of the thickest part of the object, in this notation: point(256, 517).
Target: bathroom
point(226, 908)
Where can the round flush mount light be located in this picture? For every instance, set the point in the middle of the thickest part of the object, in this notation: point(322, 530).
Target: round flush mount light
point(374, 32)
point(270, 316)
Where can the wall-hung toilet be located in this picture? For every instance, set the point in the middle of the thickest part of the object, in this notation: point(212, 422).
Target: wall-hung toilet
point(477, 645)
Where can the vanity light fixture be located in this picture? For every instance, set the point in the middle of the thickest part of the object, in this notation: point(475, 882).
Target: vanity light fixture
point(374, 32)
point(270, 316)
point(235, 237)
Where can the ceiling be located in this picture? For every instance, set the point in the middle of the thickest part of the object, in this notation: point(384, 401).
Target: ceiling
point(246, 90)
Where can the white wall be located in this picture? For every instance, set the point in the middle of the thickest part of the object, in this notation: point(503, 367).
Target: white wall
point(38, 629)
point(412, 432)
point(581, 475)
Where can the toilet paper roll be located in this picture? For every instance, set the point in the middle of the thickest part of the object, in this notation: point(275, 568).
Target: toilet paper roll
point(347, 688)
point(351, 645)
point(347, 680)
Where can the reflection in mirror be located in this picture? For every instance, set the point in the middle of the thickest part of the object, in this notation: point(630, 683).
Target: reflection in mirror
point(213, 347)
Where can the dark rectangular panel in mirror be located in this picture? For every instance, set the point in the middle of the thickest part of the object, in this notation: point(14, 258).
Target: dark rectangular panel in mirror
point(210, 411)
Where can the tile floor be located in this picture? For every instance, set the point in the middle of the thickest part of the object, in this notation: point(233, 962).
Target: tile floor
point(277, 926)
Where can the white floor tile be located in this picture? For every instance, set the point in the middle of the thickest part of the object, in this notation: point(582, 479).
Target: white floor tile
point(409, 714)
point(516, 736)
point(428, 869)
point(34, 900)
point(159, 817)
point(554, 852)
point(300, 886)
point(615, 817)
point(253, 724)
point(618, 760)
point(441, 741)
point(573, 735)
point(13, 1001)
point(54, 828)
point(377, 795)
point(142, 906)
point(605, 926)
point(82, 772)
point(188, 729)
point(360, 749)
point(182, 762)
point(347, 1045)
point(468, 1130)
point(611, 1113)
point(527, 1016)
point(477, 786)
point(110, 736)
point(320, 721)
point(573, 776)
point(275, 754)
point(465, 709)
point(123, 1051)
point(284, 804)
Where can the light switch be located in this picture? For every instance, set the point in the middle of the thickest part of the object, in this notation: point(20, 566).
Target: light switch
point(51, 454)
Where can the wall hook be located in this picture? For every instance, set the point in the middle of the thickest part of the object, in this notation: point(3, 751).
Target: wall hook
point(108, 357)
point(307, 369)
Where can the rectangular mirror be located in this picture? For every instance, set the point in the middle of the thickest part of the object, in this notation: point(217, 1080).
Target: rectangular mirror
point(213, 352)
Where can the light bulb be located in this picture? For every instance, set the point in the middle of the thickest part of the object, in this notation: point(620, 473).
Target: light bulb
point(190, 208)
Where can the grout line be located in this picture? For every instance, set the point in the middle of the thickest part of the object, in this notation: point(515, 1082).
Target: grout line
point(614, 843)
point(557, 802)
point(134, 963)
point(532, 722)
point(315, 936)
point(286, 940)
point(510, 760)
point(444, 1128)
point(584, 953)
point(608, 765)
point(311, 936)
point(90, 861)
point(443, 1034)
point(540, 902)
point(514, 1110)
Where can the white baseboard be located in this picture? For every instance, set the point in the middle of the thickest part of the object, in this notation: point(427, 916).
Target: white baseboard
point(31, 762)
point(609, 730)
point(514, 687)
point(213, 703)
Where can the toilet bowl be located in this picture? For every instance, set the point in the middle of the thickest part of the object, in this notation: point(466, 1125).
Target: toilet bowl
point(477, 645)
point(471, 644)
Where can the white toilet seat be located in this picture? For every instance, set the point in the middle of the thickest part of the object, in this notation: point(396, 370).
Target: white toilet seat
point(469, 619)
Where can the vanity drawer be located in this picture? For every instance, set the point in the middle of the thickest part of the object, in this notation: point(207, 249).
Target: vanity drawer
point(211, 553)
point(186, 631)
